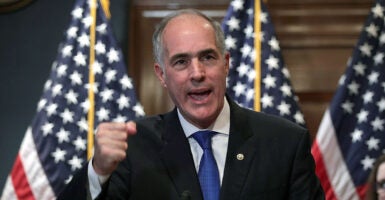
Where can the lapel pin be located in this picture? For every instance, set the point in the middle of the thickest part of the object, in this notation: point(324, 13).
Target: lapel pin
point(240, 156)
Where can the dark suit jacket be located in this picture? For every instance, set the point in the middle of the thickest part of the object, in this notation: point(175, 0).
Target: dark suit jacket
point(277, 162)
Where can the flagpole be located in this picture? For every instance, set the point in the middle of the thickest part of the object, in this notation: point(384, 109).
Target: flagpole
point(257, 63)
point(91, 95)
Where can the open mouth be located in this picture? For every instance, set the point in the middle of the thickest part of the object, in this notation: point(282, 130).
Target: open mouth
point(199, 95)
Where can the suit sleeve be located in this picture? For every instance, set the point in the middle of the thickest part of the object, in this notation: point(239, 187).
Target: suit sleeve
point(78, 187)
point(304, 182)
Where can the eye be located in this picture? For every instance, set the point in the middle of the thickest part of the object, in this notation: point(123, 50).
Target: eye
point(180, 63)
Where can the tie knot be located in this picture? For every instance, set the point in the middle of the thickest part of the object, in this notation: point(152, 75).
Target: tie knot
point(204, 138)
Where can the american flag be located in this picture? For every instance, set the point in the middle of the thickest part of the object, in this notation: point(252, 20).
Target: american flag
point(277, 96)
point(55, 144)
point(351, 134)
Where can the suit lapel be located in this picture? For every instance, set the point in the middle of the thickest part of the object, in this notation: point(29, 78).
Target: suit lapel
point(177, 157)
point(240, 154)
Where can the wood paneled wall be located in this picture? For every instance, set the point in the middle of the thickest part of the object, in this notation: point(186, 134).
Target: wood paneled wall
point(316, 37)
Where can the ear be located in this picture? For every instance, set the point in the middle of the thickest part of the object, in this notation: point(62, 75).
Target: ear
point(160, 74)
point(227, 62)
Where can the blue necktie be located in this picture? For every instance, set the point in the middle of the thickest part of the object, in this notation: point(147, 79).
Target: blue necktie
point(208, 171)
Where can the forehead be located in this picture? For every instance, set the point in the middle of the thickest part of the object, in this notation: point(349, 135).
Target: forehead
point(188, 31)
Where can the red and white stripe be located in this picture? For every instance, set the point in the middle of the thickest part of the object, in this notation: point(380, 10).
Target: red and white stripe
point(330, 166)
point(27, 180)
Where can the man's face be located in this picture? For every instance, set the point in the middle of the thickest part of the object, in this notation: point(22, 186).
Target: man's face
point(195, 71)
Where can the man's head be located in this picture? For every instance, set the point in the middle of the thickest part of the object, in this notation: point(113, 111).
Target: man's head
point(192, 64)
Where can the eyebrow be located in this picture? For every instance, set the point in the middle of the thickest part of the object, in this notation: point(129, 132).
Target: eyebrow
point(199, 53)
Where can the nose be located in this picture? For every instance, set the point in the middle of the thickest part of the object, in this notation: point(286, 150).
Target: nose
point(197, 70)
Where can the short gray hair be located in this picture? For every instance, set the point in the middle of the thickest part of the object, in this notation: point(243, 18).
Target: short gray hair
point(157, 42)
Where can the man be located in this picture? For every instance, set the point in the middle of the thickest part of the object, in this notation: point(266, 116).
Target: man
point(257, 156)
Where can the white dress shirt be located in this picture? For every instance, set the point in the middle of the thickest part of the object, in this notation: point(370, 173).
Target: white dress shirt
point(218, 142)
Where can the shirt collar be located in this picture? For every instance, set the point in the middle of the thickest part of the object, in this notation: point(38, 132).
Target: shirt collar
point(220, 125)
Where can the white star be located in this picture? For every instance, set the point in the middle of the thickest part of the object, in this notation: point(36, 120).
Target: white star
point(378, 11)
point(359, 68)
point(102, 114)
point(67, 116)
point(67, 51)
point(75, 162)
point(76, 78)
point(249, 31)
point(284, 108)
point(82, 124)
point(230, 42)
point(286, 72)
point(299, 118)
point(356, 135)
point(249, 93)
point(353, 87)
point(126, 82)
point(269, 81)
point(382, 38)
point(372, 30)
point(51, 109)
point(94, 87)
point(120, 118)
point(87, 21)
point(47, 85)
point(58, 155)
point(80, 144)
point(110, 75)
point(77, 13)
point(348, 106)
point(378, 58)
point(362, 116)
point(263, 17)
point(102, 29)
point(372, 143)
point(272, 62)
point(68, 180)
point(84, 40)
point(47, 128)
point(41, 104)
point(85, 105)
point(239, 88)
point(106, 95)
point(373, 77)
point(62, 136)
point(72, 32)
point(71, 97)
point(100, 48)
point(246, 49)
point(366, 49)
point(286, 90)
point(274, 44)
point(237, 5)
point(368, 97)
point(253, 54)
point(251, 75)
point(242, 69)
point(62, 70)
point(80, 59)
point(378, 124)
point(56, 89)
point(113, 55)
point(123, 102)
point(97, 67)
point(233, 23)
point(267, 101)
point(138, 110)
point(381, 105)
point(367, 162)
